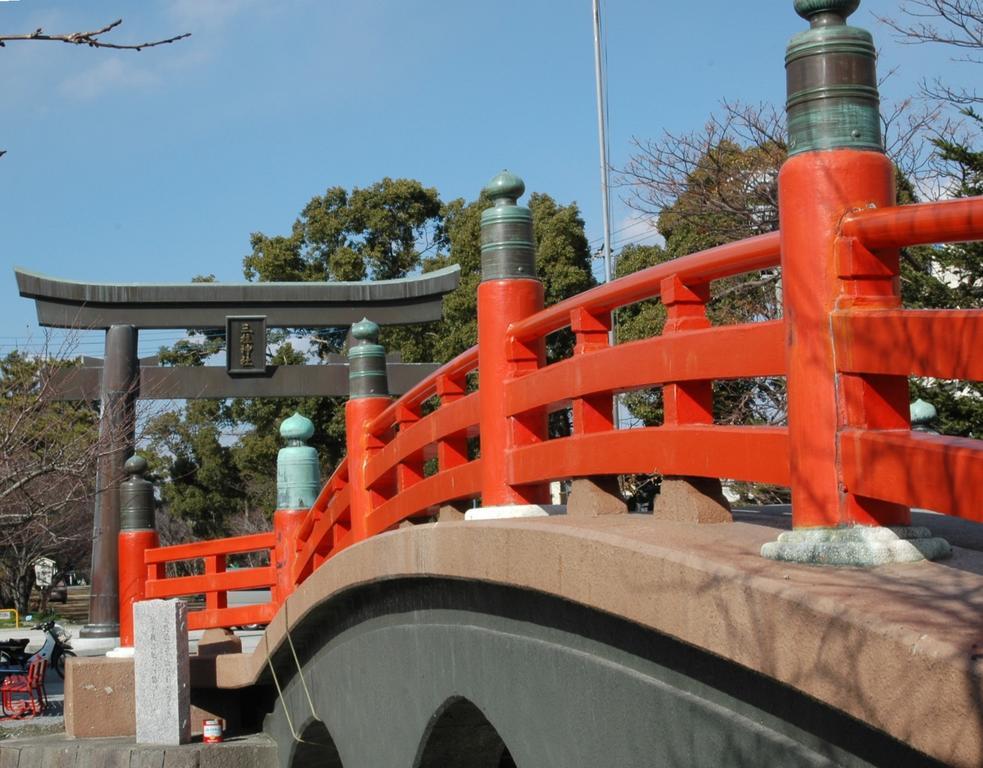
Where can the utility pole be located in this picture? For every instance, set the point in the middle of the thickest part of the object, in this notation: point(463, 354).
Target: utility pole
point(602, 138)
point(603, 144)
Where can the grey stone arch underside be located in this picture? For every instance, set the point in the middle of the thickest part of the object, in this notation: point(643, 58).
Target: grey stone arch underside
point(557, 683)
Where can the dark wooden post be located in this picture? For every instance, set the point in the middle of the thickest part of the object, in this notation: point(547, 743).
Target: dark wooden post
point(116, 427)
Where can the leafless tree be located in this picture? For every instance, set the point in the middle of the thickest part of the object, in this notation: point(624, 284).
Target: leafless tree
point(91, 39)
point(955, 23)
point(49, 452)
point(727, 173)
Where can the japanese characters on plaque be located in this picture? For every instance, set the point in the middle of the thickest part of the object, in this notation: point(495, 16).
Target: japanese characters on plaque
point(245, 347)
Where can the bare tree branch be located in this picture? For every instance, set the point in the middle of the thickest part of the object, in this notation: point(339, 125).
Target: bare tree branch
point(958, 23)
point(91, 39)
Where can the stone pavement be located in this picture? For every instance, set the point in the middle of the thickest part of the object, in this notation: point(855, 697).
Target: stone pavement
point(57, 751)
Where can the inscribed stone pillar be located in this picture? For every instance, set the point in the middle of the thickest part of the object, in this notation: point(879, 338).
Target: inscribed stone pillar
point(161, 672)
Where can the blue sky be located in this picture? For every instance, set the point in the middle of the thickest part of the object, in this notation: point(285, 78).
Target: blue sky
point(156, 166)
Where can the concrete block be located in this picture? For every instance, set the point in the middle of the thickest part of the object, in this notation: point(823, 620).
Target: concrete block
point(104, 757)
point(99, 698)
point(691, 500)
point(31, 756)
point(861, 545)
point(453, 511)
point(217, 641)
point(232, 754)
point(147, 757)
point(595, 496)
point(161, 672)
point(9, 756)
point(60, 757)
point(181, 757)
point(515, 510)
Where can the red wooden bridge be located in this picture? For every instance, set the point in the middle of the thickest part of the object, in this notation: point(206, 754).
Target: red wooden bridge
point(824, 652)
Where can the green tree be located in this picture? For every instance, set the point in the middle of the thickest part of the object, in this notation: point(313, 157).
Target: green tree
point(387, 230)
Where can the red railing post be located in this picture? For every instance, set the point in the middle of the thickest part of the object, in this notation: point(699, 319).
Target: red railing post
point(368, 397)
point(452, 451)
point(137, 534)
point(836, 165)
point(509, 291)
point(599, 494)
point(298, 480)
point(688, 499)
point(216, 599)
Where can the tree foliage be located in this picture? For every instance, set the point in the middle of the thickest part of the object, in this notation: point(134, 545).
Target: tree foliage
point(218, 459)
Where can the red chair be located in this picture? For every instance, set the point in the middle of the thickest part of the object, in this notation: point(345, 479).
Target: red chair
point(31, 684)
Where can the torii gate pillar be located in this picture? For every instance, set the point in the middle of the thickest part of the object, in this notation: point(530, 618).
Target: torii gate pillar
point(117, 418)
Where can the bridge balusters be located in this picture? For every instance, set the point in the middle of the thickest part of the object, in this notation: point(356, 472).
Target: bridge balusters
point(216, 598)
point(598, 494)
point(369, 397)
point(509, 291)
point(452, 451)
point(694, 499)
point(410, 471)
point(836, 165)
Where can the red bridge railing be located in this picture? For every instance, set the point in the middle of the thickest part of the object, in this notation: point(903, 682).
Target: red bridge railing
point(435, 420)
point(845, 347)
point(216, 581)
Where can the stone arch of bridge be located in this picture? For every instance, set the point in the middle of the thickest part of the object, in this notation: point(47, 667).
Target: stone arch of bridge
point(412, 671)
point(316, 748)
point(460, 734)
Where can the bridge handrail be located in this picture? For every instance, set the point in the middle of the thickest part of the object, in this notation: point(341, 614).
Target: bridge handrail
point(845, 346)
point(942, 221)
point(728, 260)
point(216, 582)
point(456, 368)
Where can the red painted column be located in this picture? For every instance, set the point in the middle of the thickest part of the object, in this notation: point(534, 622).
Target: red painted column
point(836, 165)
point(685, 498)
point(452, 451)
point(137, 535)
point(298, 481)
point(687, 402)
point(361, 447)
point(285, 525)
point(509, 291)
point(369, 397)
point(816, 190)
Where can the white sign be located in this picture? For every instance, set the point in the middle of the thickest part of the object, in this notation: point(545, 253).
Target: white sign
point(44, 571)
point(6, 615)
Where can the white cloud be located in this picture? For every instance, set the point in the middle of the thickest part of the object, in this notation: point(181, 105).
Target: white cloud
point(111, 74)
point(636, 229)
point(198, 15)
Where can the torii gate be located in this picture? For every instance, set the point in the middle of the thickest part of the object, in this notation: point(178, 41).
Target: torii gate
point(245, 311)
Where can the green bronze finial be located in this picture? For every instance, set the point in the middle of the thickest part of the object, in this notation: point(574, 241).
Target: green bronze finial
point(135, 466)
point(366, 362)
point(826, 11)
point(297, 429)
point(298, 474)
point(923, 416)
point(507, 246)
point(366, 330)
point(505, 189)
point(136, 497)
point(832, 82)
